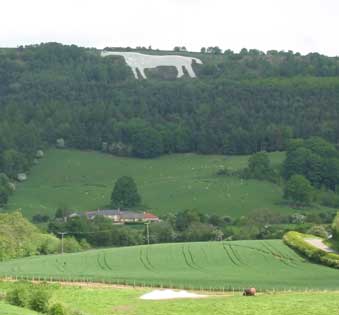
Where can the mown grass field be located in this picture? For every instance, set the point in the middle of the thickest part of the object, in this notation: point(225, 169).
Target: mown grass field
point(100, 301)
point(84, 181)
point(211, 265)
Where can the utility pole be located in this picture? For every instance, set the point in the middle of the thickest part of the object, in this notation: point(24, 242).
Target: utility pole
point(62, 240)
point(147, 231)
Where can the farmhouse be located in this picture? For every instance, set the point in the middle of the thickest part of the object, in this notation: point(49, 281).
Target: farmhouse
point(118, 216)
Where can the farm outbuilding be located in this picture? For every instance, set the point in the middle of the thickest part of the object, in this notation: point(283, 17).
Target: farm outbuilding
point(119, 216)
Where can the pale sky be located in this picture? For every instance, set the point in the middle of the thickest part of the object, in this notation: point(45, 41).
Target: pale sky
point(299, 25)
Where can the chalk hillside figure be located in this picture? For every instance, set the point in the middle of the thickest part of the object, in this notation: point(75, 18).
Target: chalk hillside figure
point(141, 62)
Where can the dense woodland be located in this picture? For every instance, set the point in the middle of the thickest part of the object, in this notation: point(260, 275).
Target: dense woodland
point(241, 103)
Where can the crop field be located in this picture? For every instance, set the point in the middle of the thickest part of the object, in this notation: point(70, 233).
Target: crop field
point(211, 265)
point(84, 181)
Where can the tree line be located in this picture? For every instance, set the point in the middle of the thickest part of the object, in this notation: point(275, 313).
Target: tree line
point(240, 104)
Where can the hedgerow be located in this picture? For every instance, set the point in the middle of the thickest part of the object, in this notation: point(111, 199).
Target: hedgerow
point(297, 241)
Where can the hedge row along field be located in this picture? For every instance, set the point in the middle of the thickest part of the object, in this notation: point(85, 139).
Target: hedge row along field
point(296, 240)
point(212, 265)
point(84, 181)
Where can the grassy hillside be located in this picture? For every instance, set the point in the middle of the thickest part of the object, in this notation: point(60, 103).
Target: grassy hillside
point(238, 264)
point(6, 309)
point(84, 181)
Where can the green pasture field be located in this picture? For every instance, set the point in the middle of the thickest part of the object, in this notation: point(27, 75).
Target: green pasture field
point(268, 264)
point(84, 181)
point(118, 301)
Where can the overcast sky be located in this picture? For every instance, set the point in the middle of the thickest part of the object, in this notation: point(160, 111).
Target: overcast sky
point(299, 25)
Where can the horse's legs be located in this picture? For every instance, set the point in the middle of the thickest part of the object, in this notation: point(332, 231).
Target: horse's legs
point(142, 72)
point(190, 71)
point(180, 71)
point(135, 73)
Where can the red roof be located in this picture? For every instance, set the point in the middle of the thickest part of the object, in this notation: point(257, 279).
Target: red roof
point(148, 215)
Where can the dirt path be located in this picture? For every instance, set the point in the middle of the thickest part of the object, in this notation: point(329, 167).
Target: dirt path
point(318, 243)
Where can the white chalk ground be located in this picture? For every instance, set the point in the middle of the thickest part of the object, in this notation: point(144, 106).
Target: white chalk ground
point(171, 294)
point(316, 242)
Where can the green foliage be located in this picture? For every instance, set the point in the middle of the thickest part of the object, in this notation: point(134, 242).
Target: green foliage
point(29, 296)
point(20, 238)
point(5, 189)
point(298, 190)
point(318, 230)
point(39, 300)
point(314, 158)
point(19, 296)
point(259, 167)
point(125, 193)
point(71, 245)
point(57, 309)
point(335, 226)
point(297, 242)
point(147, 143)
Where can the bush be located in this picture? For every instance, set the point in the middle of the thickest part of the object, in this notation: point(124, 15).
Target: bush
point(71, 245)
point(297, 242)
point(318, 230)
point(39, 301)
point(335, 226)
point(57, 309)
point(18, 297)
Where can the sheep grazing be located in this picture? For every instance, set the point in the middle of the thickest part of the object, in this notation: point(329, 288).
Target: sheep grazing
point(249, 292)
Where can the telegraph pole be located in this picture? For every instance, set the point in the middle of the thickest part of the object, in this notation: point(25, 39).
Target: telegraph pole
point(147, 231)
point(62, 240)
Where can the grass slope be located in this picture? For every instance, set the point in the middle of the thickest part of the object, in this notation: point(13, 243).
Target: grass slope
point(99, 301)
point(84, 181)
point(238, 264)
point(127, 302)
point(6, 309)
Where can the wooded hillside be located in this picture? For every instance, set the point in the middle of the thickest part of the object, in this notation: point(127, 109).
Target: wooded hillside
point(241, 103)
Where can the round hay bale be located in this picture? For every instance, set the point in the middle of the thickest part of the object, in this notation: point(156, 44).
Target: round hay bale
point(250, 292)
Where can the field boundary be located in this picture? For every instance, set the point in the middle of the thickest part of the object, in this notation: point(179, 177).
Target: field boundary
point(124, 284)
point(297, 241)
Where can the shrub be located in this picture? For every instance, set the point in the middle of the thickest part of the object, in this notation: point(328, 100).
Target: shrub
point(318, 230)
point(57, 309)
point(39, 301)
point(18, 297)
point(71, 245)
point(296, 241)
point(335, 226)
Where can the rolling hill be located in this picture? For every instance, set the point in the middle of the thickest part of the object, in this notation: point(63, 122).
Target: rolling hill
point(237, 264)
point(84, 181)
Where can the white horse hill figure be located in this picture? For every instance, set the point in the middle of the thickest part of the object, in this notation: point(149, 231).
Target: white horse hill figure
point(141, 62)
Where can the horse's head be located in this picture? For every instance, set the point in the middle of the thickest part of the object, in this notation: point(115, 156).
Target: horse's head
point(198, 61)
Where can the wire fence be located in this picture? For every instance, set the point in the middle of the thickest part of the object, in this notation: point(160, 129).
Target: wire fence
point(210, 289)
